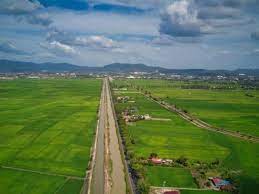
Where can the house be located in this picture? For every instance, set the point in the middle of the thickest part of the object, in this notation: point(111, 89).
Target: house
point(221, 184)
point(156, 160)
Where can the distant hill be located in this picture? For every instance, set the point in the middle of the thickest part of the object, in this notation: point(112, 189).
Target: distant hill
point(126, 68)
point(8, 66)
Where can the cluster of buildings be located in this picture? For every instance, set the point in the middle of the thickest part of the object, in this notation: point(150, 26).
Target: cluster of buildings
point(123, 99)
point(135, 117)
point(11, 76)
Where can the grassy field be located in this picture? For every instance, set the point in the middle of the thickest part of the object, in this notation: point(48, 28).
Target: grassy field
point(169, 139)
point(175, 138)
point(169, 177)
point(224, 105)
point(46, 126)
point(16, 182)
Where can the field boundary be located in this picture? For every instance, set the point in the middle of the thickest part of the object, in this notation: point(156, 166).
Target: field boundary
point(201, 124)
point(42, 173)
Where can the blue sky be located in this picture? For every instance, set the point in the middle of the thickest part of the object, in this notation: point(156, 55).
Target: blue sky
point(212, 34)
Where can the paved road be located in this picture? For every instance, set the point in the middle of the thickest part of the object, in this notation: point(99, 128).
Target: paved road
point(97, 184)
point(115, 183)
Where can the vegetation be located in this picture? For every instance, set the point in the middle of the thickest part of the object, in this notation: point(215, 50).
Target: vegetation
point(46, 126)
point(203, 152)
point(229, 105)
point(169, 177)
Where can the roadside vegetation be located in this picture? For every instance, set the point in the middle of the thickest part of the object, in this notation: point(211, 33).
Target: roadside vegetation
point(47, 129)
point(199, 153)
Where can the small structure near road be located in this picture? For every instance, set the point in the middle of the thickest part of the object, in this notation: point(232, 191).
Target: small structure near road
point(123, 99)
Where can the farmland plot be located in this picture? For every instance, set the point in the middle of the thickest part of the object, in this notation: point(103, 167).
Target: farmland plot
point(46, 127)
point(175, 138)
point(224, 105)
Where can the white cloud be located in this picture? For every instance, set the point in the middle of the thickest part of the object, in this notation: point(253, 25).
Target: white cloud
point(17, 7)
point(95, 42)
point(59, 48)
point(90, 41)
point(198, 17)
point(181, 19)
point(25, 10)
point(42, 19)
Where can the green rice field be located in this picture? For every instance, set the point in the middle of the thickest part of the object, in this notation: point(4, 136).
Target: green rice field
point(176, 137)
point(169, 177)
point(224, 105)
point(46, 126)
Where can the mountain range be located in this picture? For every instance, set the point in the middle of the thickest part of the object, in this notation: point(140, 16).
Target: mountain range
point(8, 66)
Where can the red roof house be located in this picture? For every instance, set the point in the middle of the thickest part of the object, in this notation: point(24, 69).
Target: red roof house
point(156, 160)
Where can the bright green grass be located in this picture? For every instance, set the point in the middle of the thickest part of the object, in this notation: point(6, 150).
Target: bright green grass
point(230, 109)
point(71, 186)
point(15, 182)
point(173, 177)
point(48, 125)
point(172, 139)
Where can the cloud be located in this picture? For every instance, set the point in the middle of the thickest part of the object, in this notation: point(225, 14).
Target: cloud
point(181, 19)
point(9, 47)
point(95, 42)
point(25, 10)
point(198, 17)
point(255, 35)
point(59, 48)
point(92, 42)
point(41, 19)
point(18, 7)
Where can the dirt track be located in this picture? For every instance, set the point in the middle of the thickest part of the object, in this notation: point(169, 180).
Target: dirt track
point(117, 168)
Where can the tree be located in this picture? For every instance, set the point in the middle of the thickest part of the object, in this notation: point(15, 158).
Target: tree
point(143, 186)
point(153, 155)
point(182, 160)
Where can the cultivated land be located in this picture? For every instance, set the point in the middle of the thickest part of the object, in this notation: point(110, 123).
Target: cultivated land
point(46, 132)
point(224, 105)
point(175, 138)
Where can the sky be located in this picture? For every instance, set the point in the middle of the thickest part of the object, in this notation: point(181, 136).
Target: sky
point(211, 34)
